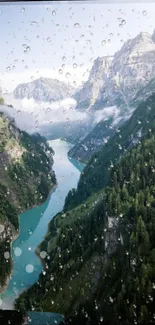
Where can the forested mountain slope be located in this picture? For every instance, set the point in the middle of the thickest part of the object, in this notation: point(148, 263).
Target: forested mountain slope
point(96, 173)
point(26, 178)
point(85, 149)
point(100, 265)
point(95, 140)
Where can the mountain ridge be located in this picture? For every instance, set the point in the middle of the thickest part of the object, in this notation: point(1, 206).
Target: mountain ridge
point(130, 69)
point(44, 89)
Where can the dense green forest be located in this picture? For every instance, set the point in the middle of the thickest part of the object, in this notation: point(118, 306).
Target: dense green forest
point(100, 264)
point(96, 173)
point(26, 178)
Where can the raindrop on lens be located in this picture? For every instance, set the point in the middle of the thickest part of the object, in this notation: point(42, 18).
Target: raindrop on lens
point(8, 69)
point(29, 268)
point(103, 42)
point(76, 25)
point(144, 12)
point(6, 255)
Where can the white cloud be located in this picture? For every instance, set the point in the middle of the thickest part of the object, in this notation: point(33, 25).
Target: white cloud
point(106, 113)
point(32, 116)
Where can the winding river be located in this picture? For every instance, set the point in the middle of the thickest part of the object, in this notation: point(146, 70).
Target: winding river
point(34, 223)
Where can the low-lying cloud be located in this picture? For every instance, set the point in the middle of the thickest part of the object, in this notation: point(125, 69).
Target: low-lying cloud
point(32, 116)
point(42, 117)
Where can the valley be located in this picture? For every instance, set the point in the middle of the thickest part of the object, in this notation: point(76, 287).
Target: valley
point(34, 223)
point(77, 179)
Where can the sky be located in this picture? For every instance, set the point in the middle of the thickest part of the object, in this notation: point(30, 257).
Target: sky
point(62, 39)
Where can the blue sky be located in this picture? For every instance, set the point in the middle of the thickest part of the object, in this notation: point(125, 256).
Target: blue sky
point(61, 40)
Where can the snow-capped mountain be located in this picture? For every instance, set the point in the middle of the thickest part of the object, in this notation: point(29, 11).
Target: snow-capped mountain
point(116, 80)
point(44, 89)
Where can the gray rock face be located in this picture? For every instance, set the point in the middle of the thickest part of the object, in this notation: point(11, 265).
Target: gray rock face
point(92, 89)
point(44, 89)
point(114, 80)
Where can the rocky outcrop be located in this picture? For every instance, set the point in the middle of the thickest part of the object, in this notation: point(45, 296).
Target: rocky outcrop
point(92, 89)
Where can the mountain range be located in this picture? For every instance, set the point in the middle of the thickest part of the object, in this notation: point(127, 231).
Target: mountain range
point(123, 80)
point(100, 263)
point(44, 89)
point(115, 80)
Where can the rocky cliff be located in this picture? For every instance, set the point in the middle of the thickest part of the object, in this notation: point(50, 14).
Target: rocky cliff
point(116, 80)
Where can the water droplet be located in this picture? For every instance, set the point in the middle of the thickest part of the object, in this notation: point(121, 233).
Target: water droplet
point(48, 39)
point(144, 12)
point(60, 71)
point(33, 23)
point(123, 22)
point(8, 69)
point(53, 12)
point(7, 255)
point(17, 251)
point(43, 254)
point(1, 228)
point(26, 67)
point(15, 61)
point(103, 42)
point(22, 9)
point(63, 58)
point(76, 25)
point(74, 65)
point(29, 268)
point(68, 75)
point(28, 48)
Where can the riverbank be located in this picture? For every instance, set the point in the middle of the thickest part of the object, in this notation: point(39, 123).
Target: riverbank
point(5, 286)
point(34, 224)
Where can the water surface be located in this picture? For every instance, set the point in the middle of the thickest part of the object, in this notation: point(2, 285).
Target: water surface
point(34, 223)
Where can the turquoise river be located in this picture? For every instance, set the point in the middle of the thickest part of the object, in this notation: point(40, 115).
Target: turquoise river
point(34, 223)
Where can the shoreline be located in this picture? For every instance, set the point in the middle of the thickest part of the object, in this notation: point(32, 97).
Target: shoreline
point(5, 286)
point(37, 249)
